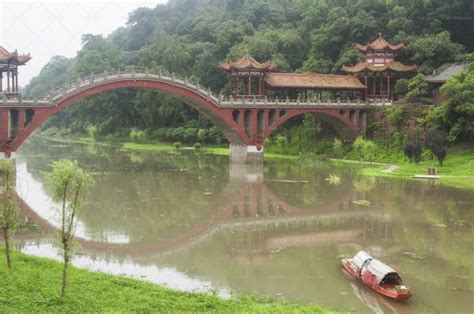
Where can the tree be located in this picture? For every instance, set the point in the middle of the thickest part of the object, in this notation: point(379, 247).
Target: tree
point(458, 109)
point(401, 88)
point(68, 184)
point(417, 87)
point(431, 51)
point(9, 212)
point(435, 141)
point(413, 150)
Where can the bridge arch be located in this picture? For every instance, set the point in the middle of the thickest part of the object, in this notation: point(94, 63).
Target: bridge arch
point(344, 121)
point(197, 99)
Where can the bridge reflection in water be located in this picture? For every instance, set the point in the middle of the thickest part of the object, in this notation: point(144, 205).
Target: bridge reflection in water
point(259, 220)
point(250, 227)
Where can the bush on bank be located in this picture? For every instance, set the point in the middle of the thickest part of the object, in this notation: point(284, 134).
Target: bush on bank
point(32, 286)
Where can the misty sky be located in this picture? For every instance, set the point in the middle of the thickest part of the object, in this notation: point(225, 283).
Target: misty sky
point(49, 28)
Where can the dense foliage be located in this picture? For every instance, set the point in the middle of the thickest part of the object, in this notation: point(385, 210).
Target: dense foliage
point(190, 37)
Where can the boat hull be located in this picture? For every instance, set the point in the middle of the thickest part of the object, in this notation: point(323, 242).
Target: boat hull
point(385, 291)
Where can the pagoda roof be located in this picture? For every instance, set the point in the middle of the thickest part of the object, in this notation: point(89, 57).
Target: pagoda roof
point(247, 63)
point(445, 72)
point(13, 57)
point(364, 66)
point(313, 81)
point(379, 44)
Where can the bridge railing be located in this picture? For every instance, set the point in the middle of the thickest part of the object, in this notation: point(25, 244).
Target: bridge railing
point(83, 83)
point(287, 102)
point(132, 72)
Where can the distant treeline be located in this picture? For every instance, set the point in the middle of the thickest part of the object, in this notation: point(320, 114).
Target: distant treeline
point(190, 37)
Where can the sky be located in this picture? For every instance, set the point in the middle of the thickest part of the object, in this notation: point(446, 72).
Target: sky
point(50, 28)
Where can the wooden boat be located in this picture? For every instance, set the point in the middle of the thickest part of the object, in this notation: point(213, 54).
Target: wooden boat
point(377, 276)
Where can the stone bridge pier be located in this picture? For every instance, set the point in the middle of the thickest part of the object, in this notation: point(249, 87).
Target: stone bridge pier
point(245, 154)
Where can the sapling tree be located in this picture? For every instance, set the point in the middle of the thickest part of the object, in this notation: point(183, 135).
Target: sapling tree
point(68, 184)
point(9, 212)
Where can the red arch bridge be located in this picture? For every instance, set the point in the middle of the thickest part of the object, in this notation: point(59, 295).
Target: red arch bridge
point(246, 123)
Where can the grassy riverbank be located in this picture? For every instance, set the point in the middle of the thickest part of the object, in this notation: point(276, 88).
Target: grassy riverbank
point(457, 171)
point(33, 286)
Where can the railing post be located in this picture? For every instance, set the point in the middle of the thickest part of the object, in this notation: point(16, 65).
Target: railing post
point(160, 74)
point(172, 77)
point(119, 73)
point(209, 91)
point(254, 100)
point(20, 99)
point(147, 72)
point(265, 100)
point(133, 71)
point(50, 99)
point(231, 100)
point(35, 100)
point(186, 81)
point(4, 98)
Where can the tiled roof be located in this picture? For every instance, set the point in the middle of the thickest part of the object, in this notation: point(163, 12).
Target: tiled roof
point(247, 63)
point(380, 44)
point(13, 57)
point(444, 72)
point(313, 81)
point(364, 66)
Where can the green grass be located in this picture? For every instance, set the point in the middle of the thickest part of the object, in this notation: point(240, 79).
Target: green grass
point(33, 286)
point(457, 170)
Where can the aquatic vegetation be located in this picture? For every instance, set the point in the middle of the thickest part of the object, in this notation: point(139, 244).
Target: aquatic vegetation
point(363, 203)
point(333, 179)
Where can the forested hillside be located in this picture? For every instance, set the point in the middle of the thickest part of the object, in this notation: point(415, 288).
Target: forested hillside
point(190, 37)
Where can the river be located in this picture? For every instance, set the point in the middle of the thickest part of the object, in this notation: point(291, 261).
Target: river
point(195, 223)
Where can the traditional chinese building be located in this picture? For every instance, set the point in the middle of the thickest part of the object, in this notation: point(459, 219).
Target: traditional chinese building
point(379, 70)
point(9, 63)
point(250, 78)
point(440, 76)
point(247, 76)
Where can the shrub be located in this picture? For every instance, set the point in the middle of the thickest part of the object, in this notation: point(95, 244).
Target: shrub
point(417, 87)
point(337, 148)
point(137, 136)
point(197, 146)
point(92, 131)
point(190, 135)
point(178, 133)
point(177, 145)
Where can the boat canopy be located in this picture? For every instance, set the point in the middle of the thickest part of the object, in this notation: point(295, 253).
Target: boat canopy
point(360, 258)
point(378, 270)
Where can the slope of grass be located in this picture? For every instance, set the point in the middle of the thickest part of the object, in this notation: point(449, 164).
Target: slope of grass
point(32, 286)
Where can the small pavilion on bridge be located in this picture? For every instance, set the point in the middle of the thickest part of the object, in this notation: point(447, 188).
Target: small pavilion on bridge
point(379, 70)
point(9, 63)
point(252, 79)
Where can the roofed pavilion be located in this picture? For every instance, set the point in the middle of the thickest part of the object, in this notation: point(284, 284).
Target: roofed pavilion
point(379, 70)
point(247, 76)
point(9, 63)
point(250, 78)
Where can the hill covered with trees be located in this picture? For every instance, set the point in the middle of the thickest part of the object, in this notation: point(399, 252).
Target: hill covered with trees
point(190, 37)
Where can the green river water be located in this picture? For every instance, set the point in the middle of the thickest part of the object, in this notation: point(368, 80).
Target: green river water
point(195, 223)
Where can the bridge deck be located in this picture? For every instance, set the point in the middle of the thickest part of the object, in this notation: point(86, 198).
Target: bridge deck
point(218, 100)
